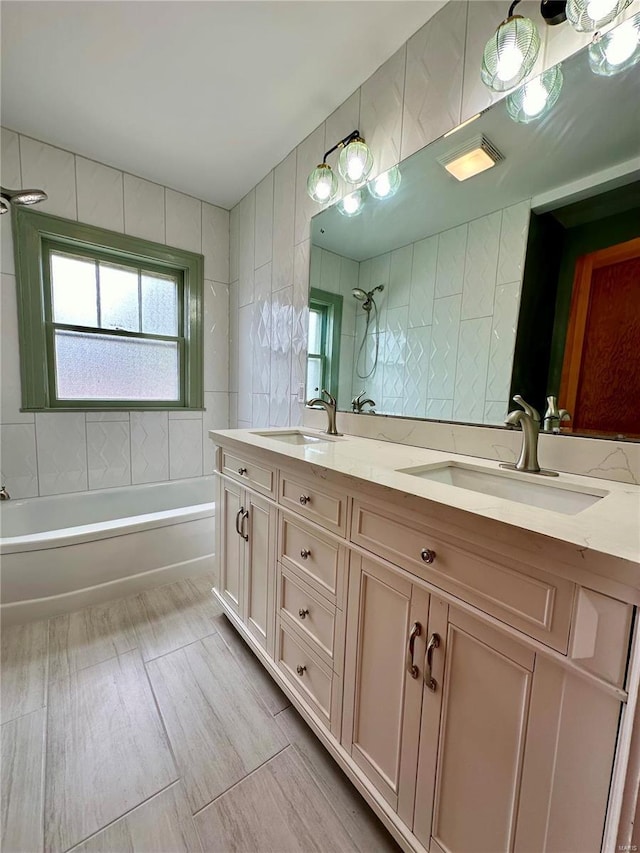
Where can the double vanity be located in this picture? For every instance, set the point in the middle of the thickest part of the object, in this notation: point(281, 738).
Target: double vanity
point(459, 636)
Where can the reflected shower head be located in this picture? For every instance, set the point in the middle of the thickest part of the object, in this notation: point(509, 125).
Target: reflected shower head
point(359, 294)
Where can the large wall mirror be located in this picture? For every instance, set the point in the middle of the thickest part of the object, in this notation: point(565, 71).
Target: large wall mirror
point(448, 297)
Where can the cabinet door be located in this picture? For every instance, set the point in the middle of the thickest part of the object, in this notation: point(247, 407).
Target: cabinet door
point(382, 706)
point(485, 702)
point(231, 544)
point(259, 576)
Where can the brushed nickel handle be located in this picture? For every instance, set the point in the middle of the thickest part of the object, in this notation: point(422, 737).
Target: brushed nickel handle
point(428, 555)
point(416, 630)
point(245, 517)
point(429, 680)
point(305, 499)
point(305, 553)
point(242, 471)
point(301, 670)
point(238, 514)
point(303, 613)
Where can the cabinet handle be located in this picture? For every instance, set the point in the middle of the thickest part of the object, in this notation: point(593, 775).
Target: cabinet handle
point(416, 630)
point(303, 613)
point(301, 670)
point(429, 680)
point(242, 471)
point(238, 514)
point(245, 517)
point(428, 555)
point(305, 499)
point(305, 553)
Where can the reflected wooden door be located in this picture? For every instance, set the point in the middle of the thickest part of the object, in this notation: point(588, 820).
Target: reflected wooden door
point(601, 368)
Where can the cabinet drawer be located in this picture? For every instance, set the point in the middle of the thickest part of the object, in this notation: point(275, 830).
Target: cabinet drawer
point(529, 599)
point(312, 616)
point(326, 508)
point(319, 559)
point(305, 671)
point(257, 476)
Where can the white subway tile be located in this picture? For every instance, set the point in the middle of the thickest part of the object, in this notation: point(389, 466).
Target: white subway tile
point(52, 170)
point(109, 454)
point(184, 221)
point(471, 371)
point(100, 195)
point(452, 246)
point(444, 347)
point(246, 244)
point(264, 221)
point(149, 447)
point(62, 452)
point(216, 416)
point(185, 449)
point(309, 155)
point(423, 281)
point(10, 159)
point(10, 388)
point(215, 242)
point(144, 209)
point(400, 277)
point(284, 200)
point(18, 454)
point(480, 266)
point(216, 336)
point(381, 100)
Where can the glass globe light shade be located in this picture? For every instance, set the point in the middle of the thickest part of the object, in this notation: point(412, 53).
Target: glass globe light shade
point(585, 16)
point(386, 184)
point(536, 97)
point(617, 50)
point(510, 54)
point(322, 184)
point(352, 204)
point(355, 162)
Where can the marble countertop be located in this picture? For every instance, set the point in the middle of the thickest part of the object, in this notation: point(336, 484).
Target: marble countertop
point(610, 526)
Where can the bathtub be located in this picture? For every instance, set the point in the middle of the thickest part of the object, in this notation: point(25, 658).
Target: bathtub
point(61, 553)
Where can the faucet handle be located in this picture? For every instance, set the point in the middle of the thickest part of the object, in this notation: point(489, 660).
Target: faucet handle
point(529, 410)
point(564, 415)
point(332, 399)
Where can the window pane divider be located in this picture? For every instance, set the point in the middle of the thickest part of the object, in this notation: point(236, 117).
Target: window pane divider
point(119, 333)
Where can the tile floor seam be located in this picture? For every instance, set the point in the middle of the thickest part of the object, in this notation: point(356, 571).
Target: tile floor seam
point(178, 648)
point(120, 817)
point(162, 721)
point(240, 781)
point(90, 665)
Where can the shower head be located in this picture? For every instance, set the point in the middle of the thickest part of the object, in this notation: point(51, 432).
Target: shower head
point(366, 298)
point(21, 197)
point(359, 294)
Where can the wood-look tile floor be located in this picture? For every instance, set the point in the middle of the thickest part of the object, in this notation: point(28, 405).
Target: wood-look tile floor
point(147, 725)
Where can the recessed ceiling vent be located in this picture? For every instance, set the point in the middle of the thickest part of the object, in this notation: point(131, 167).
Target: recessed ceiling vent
point(472, 157)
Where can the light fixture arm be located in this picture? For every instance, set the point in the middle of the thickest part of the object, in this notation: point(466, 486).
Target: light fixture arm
point(352, 137)
point(512, 7)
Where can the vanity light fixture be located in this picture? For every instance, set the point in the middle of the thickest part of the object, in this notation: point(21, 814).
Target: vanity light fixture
point(386, 184)
point(352, 204)
point(536, 97)
point(21, 197)
point(473, 157)
point(586, 16)
point(354, 164)
point(510, 53)
point(617, 50)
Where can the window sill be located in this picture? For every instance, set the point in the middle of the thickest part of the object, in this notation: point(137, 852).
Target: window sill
point(103, 410)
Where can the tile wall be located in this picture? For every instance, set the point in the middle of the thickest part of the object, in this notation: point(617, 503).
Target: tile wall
point(46, 454)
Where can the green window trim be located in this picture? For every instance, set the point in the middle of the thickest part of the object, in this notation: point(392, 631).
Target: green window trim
point(35, 234)
point(330, 305)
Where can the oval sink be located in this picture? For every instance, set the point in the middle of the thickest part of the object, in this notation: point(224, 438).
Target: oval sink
point(295, 436)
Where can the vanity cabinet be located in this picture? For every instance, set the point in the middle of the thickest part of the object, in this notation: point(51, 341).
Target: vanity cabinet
point(473, 695)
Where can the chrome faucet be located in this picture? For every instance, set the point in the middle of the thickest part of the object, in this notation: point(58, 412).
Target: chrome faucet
point(330, 408)
point(358, 404)
point(4, 494)
point(554, 416)
point(528, 419)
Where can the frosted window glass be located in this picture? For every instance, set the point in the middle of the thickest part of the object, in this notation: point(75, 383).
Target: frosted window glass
point(314, 376)
point(119, 298)
point(73, 285)
point(105, 367)
point(315, 327)
point(159, 305)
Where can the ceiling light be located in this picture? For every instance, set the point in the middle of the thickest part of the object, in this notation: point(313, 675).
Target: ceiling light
point(617, 50)
point(22, 197)
point(352, 204)
point(355, 164)
point(586, 16)
point(536, 97)
point(475, 156)
point(511, 53)
point(386, 184)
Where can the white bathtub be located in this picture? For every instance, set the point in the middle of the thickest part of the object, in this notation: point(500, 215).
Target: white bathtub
point(61, 553)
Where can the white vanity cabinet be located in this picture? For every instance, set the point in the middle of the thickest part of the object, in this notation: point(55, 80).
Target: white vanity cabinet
point(472, 693)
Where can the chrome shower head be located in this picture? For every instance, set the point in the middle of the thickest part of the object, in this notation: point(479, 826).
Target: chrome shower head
point(21, 197)
point(359, 294)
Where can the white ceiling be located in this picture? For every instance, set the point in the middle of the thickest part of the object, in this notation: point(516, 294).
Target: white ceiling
point(205, 97)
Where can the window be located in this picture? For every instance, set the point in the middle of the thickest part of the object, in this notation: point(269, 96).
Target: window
point(323, 354)
point(106, 320)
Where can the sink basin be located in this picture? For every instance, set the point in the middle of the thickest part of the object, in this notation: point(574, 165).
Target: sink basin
point(529, 489)
point(296, 437)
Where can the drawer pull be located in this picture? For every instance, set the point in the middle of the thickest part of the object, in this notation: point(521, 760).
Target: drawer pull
point(428, 555)
point(416, 630)
point(244, 517)
point(305, 499)
point(305, 553)
point(301, 670)
point(303, 613)
point(429, 680)
point(242, 471)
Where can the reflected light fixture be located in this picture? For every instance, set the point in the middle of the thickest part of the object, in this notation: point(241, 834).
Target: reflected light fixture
point(536, 97)
point(20, 197)
point(510, 53)
point(386, 184)
point(352, 204)
point(617, 50)
point(354, 164)
point(586, 16)
point(473, 157)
